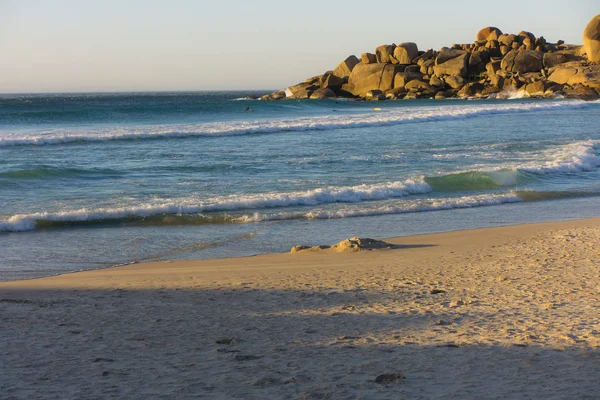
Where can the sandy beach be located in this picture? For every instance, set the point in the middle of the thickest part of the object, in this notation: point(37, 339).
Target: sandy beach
point(496, 313)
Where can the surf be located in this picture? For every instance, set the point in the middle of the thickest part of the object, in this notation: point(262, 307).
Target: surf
point(389, 117)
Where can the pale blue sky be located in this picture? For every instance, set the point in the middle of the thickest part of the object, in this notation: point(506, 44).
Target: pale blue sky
point(79, 45)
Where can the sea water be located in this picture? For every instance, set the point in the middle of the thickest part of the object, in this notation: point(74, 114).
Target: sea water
point(95, 180)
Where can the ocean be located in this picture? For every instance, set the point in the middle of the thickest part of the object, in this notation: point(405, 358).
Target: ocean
point(95, 180)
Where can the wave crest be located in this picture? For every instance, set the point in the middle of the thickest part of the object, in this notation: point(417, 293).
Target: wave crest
point(395, 116)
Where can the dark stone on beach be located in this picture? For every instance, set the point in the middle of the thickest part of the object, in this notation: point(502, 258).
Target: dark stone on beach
point(387, 379)
point(247, 357)
point(437, 291)
point(229, 341)
point(442, 322)
point(450, 345)
point(265, 382)
point(101, 359)
point(225, 350)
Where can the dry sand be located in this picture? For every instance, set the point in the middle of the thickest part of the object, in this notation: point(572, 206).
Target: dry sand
point(499, 313)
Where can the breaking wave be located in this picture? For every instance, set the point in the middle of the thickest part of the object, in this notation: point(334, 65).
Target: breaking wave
point(394, 116)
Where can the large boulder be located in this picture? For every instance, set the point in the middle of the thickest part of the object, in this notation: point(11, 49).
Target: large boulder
point(322, 93)
point(507, 39)
point(591, 39)
point(536, 89)
point(581, 92)
point(471, 89)
point(300, 91)
point(477, 62)
point(523, 61)
point(385, 54)
point(406, 52)
point(575, 73)
point(331, 81)
point(366, 77)
point(427, 67)
point(418, 85)
point(368, 58)
point(553, 59)
point(489, 33)
point(493, 66)
point(402, 78)
point(455, 81)
point(451, 62)
point(344, 69)
point(496, 81)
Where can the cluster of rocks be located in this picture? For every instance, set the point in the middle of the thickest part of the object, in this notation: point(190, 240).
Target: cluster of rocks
point(495, 64)
point(352, 244)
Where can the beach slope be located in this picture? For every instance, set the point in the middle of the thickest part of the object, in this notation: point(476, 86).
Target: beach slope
point(507, 312)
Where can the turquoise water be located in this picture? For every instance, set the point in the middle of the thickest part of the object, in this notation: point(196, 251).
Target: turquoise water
point(92, 180)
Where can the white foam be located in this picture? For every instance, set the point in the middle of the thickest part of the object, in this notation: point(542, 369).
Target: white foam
point(353, 194)
point(419, 206)
point(392, 116)
point(576, 157)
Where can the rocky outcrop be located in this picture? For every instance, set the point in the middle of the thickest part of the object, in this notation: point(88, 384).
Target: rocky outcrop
point(495, 62)
point(366, 77)
point(591, 39)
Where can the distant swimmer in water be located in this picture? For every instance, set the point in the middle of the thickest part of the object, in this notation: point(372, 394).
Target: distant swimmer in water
point(247, 108)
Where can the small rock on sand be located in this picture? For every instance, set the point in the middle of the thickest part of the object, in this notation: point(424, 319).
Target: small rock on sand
point(352, 244)
point(387, 379)
point(229, 341)
point(249, 357)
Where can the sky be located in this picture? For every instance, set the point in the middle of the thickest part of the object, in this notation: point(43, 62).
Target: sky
point(135, 45)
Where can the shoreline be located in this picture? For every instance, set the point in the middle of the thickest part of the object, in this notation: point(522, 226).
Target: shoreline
point(481, 236)
point(503, 312)
point(394, 240)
